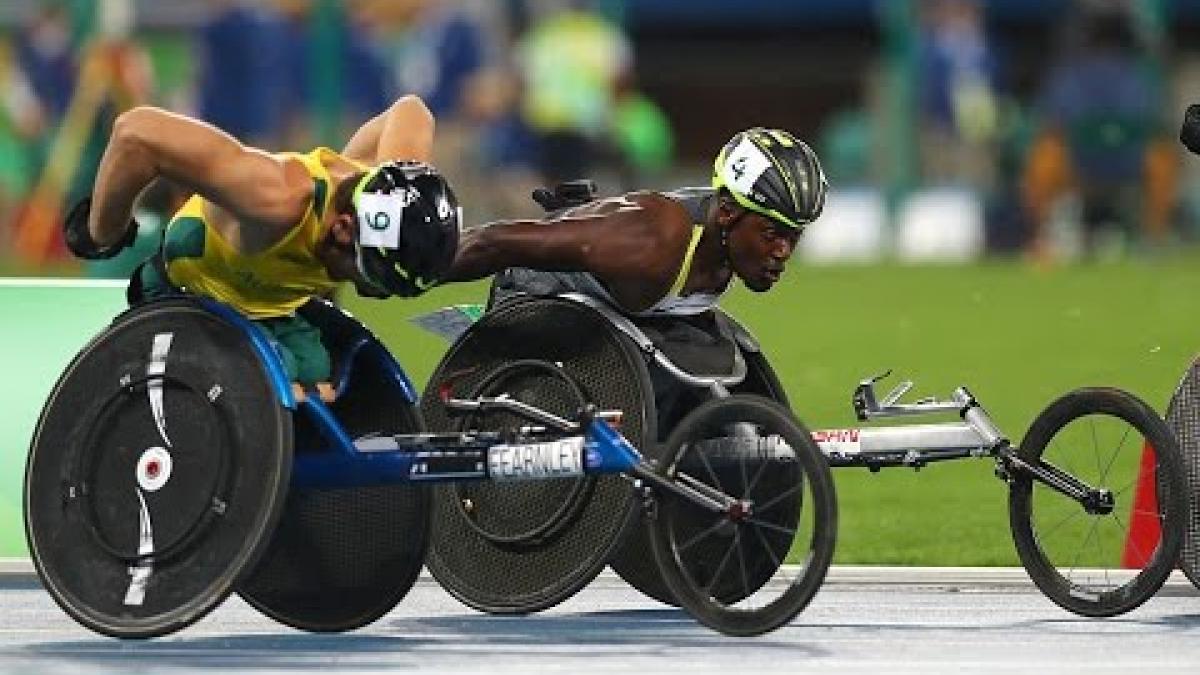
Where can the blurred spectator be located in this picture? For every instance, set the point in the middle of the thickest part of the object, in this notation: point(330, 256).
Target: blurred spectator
point(244, 70)
point(1100, 143)
point(448, 46)
point(445, 47)
point(22, 122)
point(364, 78)
point(958, 81)
point(506, 153)
point(641, 137)
point(47, 57)
point(573, 63)
point(42, 77)
point(61, 89)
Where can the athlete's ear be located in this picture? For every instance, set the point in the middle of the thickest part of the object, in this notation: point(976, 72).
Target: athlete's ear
point(344, 229)
point(728, 211)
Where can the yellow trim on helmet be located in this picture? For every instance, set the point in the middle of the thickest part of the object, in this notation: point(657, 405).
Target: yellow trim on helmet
point(746, 202)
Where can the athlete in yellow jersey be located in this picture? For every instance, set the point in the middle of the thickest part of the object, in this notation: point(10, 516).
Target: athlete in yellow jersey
point(264, 232)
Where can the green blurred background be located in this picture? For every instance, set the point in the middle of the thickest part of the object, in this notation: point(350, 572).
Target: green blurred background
point(1016, 335)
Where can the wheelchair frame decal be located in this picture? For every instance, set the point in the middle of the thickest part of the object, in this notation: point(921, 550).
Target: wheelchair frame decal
point(523, 461)
point(838, 441)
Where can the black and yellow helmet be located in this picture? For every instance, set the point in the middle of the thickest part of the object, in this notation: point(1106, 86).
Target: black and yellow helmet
point(773, 173)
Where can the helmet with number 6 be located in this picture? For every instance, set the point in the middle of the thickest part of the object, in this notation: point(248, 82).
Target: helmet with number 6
point(408, 226)
point(773, 173)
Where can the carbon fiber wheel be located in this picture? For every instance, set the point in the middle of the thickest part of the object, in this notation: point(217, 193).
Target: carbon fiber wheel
point(634, 562)
point(1109, 555)
point(755, 562)
point(1183, 417)
point(522, 547)
point(341, 559)
point(157, 470)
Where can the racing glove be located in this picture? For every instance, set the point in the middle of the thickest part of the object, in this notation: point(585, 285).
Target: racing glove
point(79, 239)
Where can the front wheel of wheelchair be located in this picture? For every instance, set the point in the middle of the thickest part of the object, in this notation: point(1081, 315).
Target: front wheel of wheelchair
point(1110, 556)
point(753, 565)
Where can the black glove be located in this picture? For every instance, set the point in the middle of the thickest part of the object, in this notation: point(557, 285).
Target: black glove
point(79, 239)
point(565, 195)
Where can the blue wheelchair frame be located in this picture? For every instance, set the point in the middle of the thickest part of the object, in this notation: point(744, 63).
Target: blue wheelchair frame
point(345, 462)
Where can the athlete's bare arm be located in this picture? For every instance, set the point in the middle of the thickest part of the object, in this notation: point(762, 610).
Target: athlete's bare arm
point(633, 244)
point(147, 143)
point(403, 131)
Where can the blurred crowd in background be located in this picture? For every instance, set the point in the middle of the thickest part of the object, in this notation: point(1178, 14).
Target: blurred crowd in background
point(949, 128)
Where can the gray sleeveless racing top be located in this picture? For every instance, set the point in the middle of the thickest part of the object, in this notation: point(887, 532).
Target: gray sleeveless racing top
point(535, 282)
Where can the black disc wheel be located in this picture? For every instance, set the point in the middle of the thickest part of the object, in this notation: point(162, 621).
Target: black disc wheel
point(157, 471)
point(342, 558)
point(1183, 417)
point(526, 529)
point(525, 546)
point(1107, 552)
point(752, 556)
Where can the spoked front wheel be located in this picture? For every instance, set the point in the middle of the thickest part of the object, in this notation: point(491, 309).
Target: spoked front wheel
point(1108, 552)
point(746, 535)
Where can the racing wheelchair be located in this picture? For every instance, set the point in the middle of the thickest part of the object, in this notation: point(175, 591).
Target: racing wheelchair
point(172, 465)
point(1094, 533)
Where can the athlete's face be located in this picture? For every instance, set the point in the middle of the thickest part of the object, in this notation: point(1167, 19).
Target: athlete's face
point(759, 249)
point(338, 254)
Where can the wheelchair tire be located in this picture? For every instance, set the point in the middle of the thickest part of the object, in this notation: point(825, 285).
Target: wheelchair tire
point(634, 562)
point(754, 566)
point(1183, 417)
point(1077, 558)
point(524, 547)
point(157, 470)
point(342, 558)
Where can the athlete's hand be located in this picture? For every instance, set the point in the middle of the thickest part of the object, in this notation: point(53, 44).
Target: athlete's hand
point(565, 195)
point(79, 238)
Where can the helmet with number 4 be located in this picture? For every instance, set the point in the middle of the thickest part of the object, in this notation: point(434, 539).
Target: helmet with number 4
point(408, 226)
point(773, 173)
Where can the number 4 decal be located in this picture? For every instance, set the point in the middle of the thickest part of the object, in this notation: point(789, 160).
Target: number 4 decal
point(744, 165)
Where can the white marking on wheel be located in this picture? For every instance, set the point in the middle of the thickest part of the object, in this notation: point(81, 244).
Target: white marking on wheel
point(139, 574)
point(154, 469)
point(156, 367)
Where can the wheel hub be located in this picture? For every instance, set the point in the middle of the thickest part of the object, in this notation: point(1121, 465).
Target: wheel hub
point(1099, 502)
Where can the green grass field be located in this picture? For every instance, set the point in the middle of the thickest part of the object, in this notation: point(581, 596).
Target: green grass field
point(1016, 336)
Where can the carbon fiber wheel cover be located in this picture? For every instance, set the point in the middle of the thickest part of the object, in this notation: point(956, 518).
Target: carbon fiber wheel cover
point(340, 559)
point(634, 562)
point(157, 471)
point(1183, 416)
point(524, 547)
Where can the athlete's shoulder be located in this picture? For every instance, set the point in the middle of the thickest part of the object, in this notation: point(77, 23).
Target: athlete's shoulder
point(661, 202)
